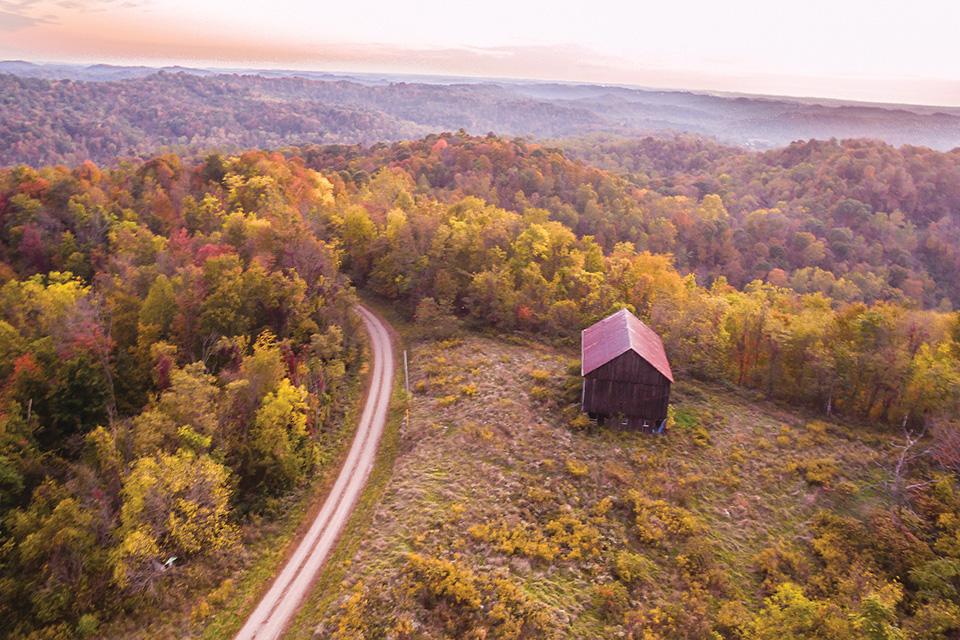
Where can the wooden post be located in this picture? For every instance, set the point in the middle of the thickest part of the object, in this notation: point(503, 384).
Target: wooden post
point(406, 384)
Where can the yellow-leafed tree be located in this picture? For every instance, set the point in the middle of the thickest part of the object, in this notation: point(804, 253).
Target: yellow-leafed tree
point(174, 506)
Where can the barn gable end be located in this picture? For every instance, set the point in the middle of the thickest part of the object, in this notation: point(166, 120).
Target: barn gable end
point(627, 376)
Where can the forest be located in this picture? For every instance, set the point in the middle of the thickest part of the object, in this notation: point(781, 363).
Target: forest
point(173, 365)
point(177, 346)
point(45, 122)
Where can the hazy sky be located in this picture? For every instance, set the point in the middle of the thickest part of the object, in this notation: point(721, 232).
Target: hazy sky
point(879, 50)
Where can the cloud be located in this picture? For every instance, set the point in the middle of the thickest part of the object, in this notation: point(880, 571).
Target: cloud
point(16, 15)
point(22, 8)
point(17, 7)
point(17, 21)
point(30, 9)
point(91, 6)
point(529, 61)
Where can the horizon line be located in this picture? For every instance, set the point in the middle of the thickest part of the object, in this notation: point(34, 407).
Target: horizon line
point(388, 75)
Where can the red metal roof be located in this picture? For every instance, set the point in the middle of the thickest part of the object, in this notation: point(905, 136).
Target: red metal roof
point(616, 334)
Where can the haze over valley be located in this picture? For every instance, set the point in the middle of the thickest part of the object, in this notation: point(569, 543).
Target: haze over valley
point(65, 114)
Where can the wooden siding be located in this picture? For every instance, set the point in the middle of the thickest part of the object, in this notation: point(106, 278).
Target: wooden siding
point(629, 387)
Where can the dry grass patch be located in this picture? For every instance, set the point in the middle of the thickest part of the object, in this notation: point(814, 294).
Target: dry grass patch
point(602, 533)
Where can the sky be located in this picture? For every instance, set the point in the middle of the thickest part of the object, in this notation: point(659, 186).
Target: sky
point(877, 50)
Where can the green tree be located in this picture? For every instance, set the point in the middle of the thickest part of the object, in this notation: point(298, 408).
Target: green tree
point(279, 444)
point(184, 415)
point(54, 546)
point(160, 305)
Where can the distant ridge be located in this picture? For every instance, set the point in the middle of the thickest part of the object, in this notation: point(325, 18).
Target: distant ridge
point(107, 111)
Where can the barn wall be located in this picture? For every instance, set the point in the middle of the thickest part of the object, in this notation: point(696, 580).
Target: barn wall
point(628, 367)
point(629, 386)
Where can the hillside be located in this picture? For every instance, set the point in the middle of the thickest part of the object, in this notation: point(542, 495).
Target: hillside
point(854, 220)
point(178, 359)
point(504, 519)
point(102, 114)
point(165, 394)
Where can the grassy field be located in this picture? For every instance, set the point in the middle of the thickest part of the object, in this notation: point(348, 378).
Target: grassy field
point(507, 516)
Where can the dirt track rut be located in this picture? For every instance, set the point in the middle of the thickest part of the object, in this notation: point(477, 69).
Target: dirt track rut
point(280, 604)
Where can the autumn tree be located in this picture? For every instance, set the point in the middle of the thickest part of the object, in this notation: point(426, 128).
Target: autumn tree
point(175, 508)
point(279, 444)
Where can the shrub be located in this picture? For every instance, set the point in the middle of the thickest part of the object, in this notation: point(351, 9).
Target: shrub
point(681, 619)
point(788, 613)
point(576, 468)
point(671, 417)
point(656, 520)
point(352, 617)
point(439, 579)
point(87, 625)
point(521, 539)
point(934, 621)
point(632, 568)
point(816, 471)
point(610, 599)
point(572, 389)
point(846, 488)
point(776, 565)
point(540, 394)
point(436, 320)
point(730, 479)
point(539, 376)
point(569, 532)
point(517, 615)
point(480, 432)
point(581, 423)
point(222, 593)
point(698, 567)
point(201, 611)
point(818, 429)
point(732, 619)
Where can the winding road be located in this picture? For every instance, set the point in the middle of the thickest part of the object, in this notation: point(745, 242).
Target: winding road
point(278, 607)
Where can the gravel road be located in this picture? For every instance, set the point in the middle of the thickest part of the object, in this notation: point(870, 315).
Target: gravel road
point(280, 604)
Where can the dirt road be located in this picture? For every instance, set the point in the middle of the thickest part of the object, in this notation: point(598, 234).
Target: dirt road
point(281, 603)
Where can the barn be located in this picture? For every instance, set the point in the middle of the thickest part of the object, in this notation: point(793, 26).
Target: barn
point(626, 375)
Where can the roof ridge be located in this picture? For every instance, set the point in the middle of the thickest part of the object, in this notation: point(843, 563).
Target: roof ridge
point(607, 339)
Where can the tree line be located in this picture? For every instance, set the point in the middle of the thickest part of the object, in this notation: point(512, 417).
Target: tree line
point(516, 237)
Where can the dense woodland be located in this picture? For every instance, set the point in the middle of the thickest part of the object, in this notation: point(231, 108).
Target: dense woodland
point(174, 354)
point(175, 335)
